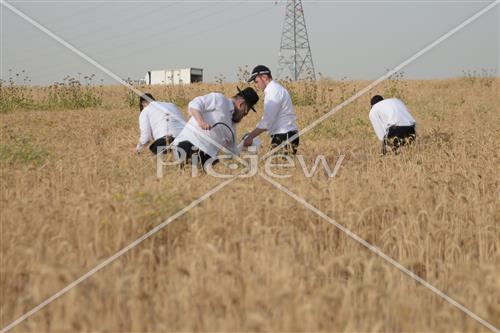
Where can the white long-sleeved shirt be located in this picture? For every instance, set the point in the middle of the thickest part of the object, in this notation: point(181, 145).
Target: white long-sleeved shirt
point(214, 108)
point(279, 116)
point(389, 112)
point(158, 120)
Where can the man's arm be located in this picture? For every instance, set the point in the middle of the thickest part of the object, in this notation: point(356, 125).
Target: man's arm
point(377, 124)
point(255, 133)
point(200, 105)
point(271, 110)
point(146, 132)
point(199, 119)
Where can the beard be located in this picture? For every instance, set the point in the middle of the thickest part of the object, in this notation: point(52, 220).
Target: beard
point(237, 116)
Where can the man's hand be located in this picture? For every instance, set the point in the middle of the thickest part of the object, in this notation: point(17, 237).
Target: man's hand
point(255, 133)
point(204, 125)
point(248, 141)
point(138, 148)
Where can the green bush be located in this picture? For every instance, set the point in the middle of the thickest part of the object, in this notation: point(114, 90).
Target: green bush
point(15, 96)
point(72, 94)
point(16, 93)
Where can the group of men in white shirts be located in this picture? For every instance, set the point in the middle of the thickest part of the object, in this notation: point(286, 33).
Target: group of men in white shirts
point(213, 119)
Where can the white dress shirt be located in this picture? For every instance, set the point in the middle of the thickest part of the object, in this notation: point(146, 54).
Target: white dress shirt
point(158, 120)
point(279, 116)
point(214, 108)
point(389, 112)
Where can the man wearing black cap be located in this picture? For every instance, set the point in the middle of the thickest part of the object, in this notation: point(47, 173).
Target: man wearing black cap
point(279, 117)
point(213, 123)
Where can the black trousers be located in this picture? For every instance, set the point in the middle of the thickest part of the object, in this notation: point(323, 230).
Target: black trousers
point(398, 136)
point(188, 149)
point(290, 146)
point(160, 144)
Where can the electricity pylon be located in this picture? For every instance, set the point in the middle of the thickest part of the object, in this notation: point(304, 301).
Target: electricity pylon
point(295, 58)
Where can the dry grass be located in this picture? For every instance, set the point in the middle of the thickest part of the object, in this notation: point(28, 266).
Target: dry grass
point(251, 258)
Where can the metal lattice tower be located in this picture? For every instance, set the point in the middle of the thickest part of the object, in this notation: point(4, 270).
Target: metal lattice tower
point(295, 59)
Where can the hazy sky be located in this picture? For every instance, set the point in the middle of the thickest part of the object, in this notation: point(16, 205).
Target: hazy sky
point(353, 39)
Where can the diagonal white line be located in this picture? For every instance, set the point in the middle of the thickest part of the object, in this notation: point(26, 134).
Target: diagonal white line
point(116, 256)
point(145, 236)
point(384, 77)
point(90, 60)
point(70, 46)
point(381, 254)
point(110, 73)
point(354, 236)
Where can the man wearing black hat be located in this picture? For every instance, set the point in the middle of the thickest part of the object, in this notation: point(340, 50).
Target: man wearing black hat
point(213, 123)
point(279, 116)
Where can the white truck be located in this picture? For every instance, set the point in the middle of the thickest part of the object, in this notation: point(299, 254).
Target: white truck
point(174, 76)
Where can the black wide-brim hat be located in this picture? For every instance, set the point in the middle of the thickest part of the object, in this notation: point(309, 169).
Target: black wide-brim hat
point(260, 69)
point(250, 96)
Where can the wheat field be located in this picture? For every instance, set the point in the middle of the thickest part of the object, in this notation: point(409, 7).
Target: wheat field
point(250, 257)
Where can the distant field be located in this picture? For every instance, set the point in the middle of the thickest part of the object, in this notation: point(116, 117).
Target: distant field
point(250, 258)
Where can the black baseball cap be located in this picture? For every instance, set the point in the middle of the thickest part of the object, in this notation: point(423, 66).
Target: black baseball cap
point(260, 69)
point(250, 96)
